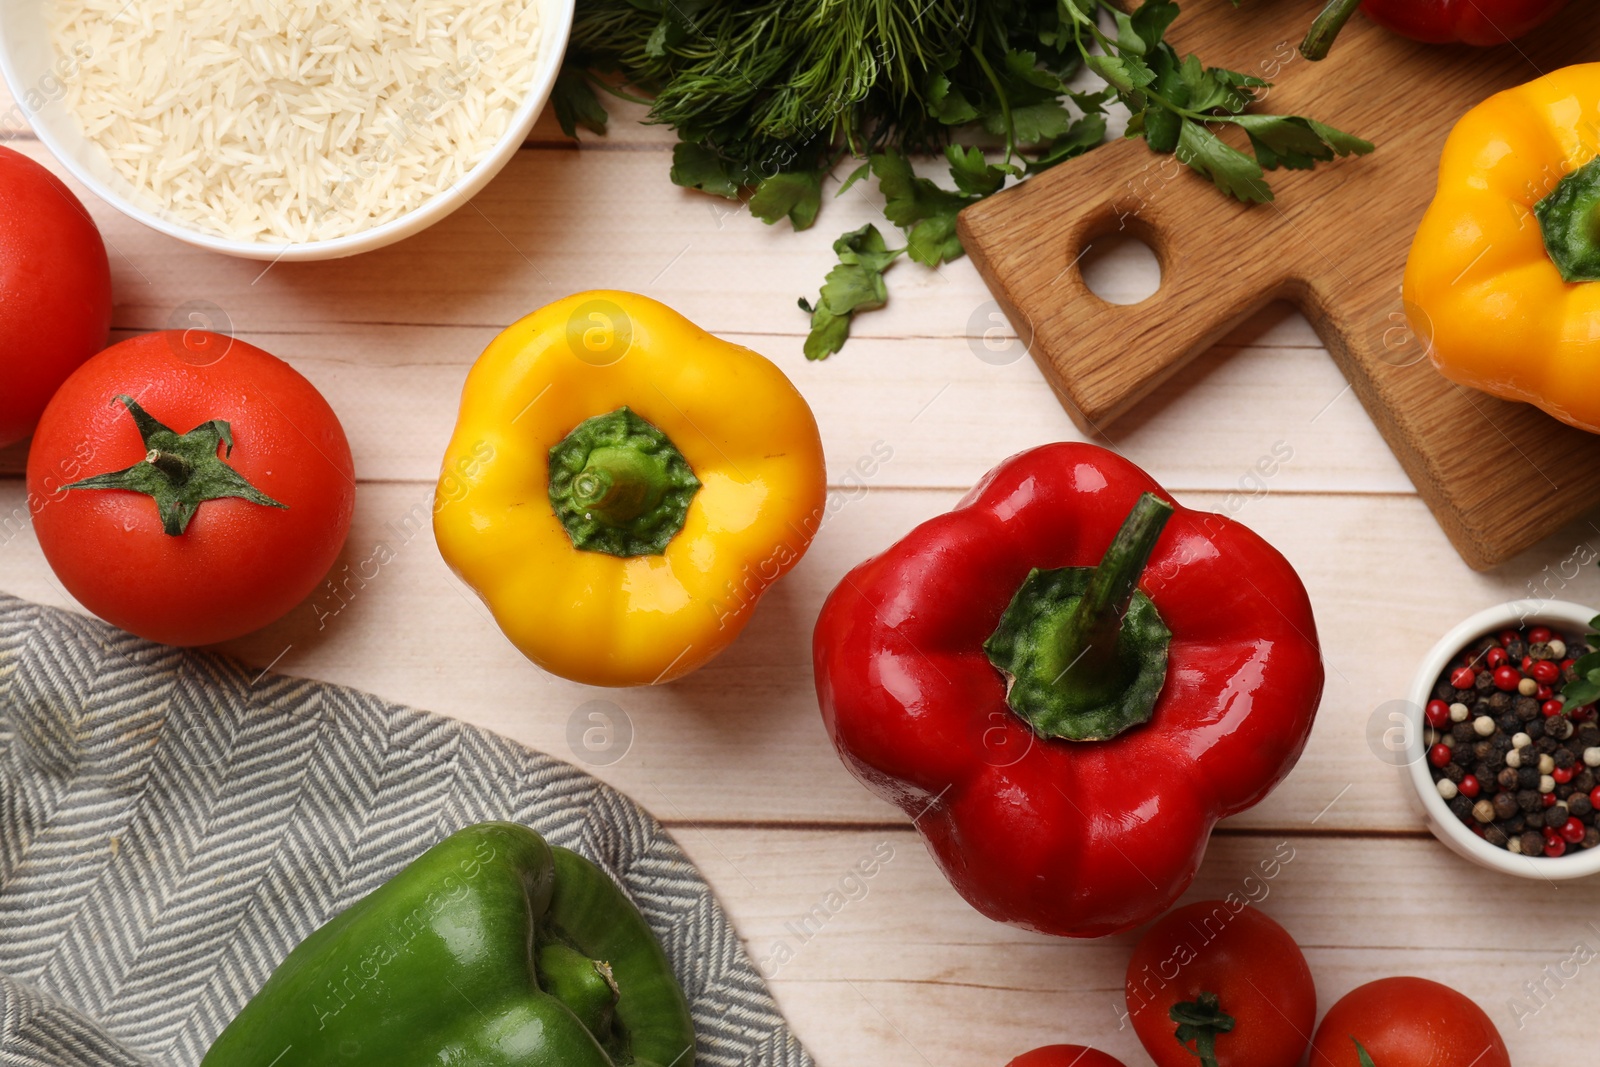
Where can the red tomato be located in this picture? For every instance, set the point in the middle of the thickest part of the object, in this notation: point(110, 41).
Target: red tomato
point(1065, 1056)
point(1407, 1022)
point(55, 290)
point(1248, 963)
point(238, 564)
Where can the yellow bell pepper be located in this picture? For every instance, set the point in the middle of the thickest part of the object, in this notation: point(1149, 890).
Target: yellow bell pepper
point(1502, 276)
point(622, 487)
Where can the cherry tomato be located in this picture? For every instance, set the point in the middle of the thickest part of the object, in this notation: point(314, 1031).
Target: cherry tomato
point(55, 290)
point(1222, 958)
point(241, 559)
point(1407, 1022)
point(1065, 1056)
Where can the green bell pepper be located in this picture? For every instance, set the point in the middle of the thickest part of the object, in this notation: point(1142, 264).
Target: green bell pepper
point(491, 949)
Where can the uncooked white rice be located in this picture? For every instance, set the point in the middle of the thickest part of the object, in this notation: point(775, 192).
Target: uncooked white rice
point(295, 120)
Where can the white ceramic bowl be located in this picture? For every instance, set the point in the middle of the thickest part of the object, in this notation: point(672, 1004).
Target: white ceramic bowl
point(1560, 615)
point(28, 58)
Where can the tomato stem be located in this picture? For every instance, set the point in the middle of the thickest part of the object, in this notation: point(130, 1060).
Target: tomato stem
point(171, 464)
point(1201, 1021)
point(179, 471)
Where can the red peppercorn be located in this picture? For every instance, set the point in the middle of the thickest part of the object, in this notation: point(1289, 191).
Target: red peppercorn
point(1544, 672)
point(1567, 663)
point(1462, 677)
point(1582, 713)
point(1505, 678)
point(1548, 800)
point(1495, 658)
point(1555, 848)
point(1544, 692)
point(1438, 713)
point(1468, 786)
point(1562, 775)
point(1572, 830)
point(1550, 708)
point(1527, 664)
point(1594, 796)
point(1539, 635)
point(1439, 755)
point(1508, 636)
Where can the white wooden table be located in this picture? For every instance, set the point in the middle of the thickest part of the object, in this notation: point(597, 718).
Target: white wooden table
point(734, 759)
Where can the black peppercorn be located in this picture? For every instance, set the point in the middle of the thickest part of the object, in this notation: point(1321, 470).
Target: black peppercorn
point(1535, 819)
point(1546, 745)
point(1527, 776)
point(1508, 779)
point(1527, 708)
point(1463, 733)
point(1532, 844)
point(1564, 757)
point(1483, 772)
point(1558, 728)
point(1505, 806)
point(1483, 683)
point(1580, 805)
point(1516, 650)
point(1495, 836)
point(1539, 650)
point(1528, 800)
point(1461, 807)
point(1454, 772)
point(1444, 691)
point(1555, 815)
point(1516, 824)
point(1533, 728)
point(1508, 722)
point(1500, 701)
point(1563, 790)
point(1591, 837)
point(1483, 751)
point(1584, 781)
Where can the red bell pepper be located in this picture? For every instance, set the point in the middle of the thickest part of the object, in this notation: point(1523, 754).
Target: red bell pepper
point(1066, 738)
point(1475, 22)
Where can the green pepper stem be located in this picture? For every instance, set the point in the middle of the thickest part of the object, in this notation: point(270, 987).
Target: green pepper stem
point(618, 484)
point(174, 466)
point(1090, 636)
point(1326, 27)
point(1569, 222)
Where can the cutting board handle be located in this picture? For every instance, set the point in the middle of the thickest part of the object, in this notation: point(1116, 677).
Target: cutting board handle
point(1179, 215)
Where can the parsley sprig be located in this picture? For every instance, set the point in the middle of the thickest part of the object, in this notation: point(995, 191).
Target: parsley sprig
point(767, 97)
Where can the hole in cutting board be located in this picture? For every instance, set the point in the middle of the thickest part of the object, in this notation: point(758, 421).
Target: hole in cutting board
point(1120, 269)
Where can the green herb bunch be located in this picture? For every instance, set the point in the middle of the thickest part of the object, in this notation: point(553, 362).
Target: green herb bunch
point(767, 98)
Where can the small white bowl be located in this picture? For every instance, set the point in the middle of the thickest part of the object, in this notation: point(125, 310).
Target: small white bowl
point(28, 60)
point(1560, 615)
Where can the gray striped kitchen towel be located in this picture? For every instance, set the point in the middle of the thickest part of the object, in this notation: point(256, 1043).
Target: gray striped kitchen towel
point(171, 825)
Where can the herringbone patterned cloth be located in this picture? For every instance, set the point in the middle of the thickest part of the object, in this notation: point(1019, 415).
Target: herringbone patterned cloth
point(172, 825)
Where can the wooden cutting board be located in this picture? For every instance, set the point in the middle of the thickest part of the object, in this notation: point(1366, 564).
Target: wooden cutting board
point(1499, 476)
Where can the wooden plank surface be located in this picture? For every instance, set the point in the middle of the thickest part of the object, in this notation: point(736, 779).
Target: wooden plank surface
point(734, 759)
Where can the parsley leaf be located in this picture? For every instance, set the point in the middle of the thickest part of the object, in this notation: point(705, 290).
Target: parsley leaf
point(796, 195)
point(575, 102)
point(698, 167)
point(856, 284)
